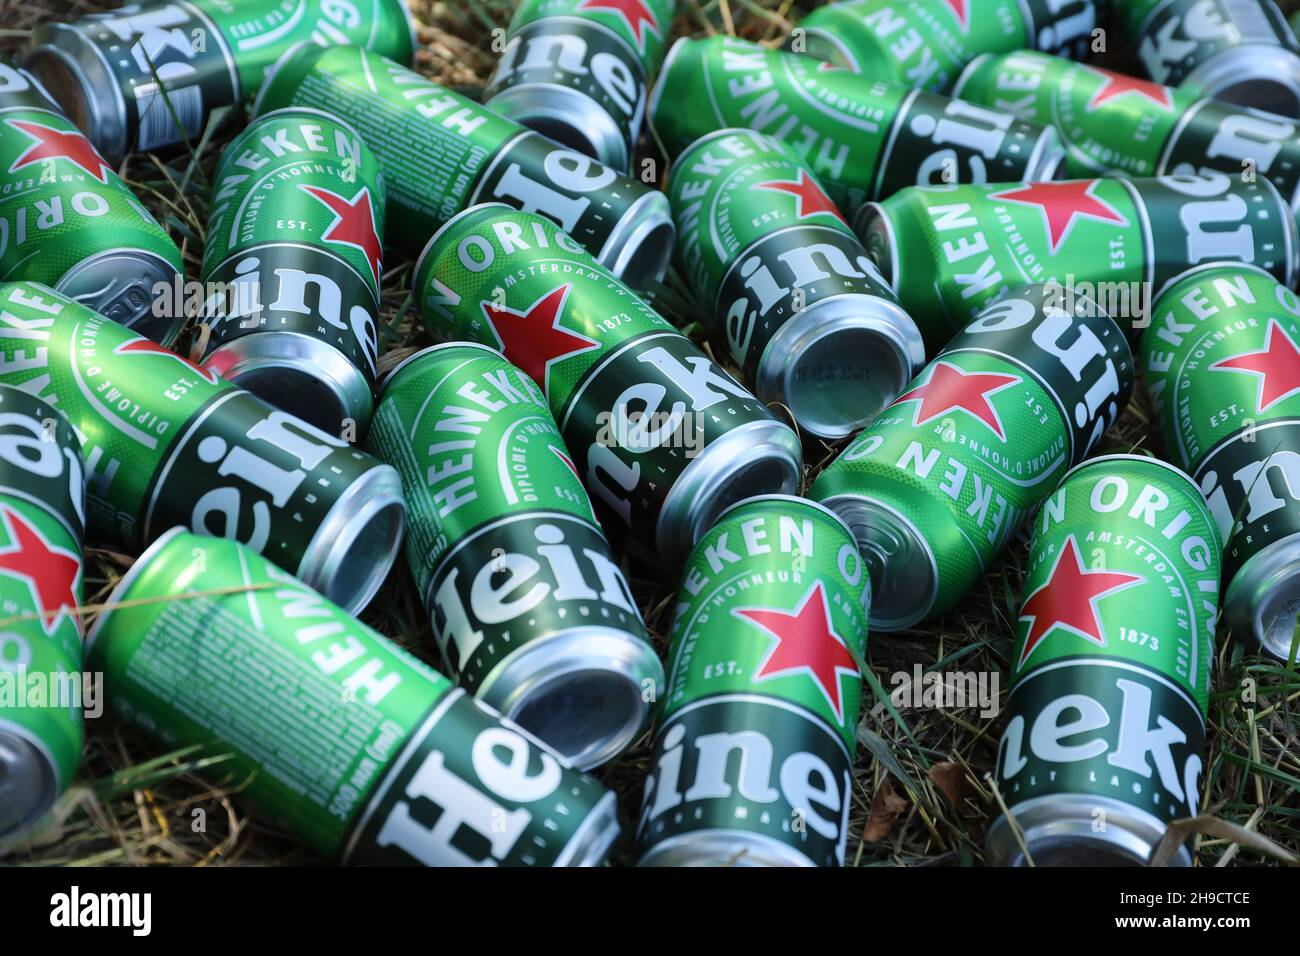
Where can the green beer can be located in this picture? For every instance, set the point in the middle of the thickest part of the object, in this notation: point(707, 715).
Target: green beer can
point(663, 437)
point(441, 153)
point(361, 751)
point(68, 221)
point(576, 71)
point(925, 43)
point(1105, 740)
point(753, 753)
point(168, 443)
point(863, 139)
point(42, 491)
point(149, 75)
point(293, 265)
point(802, 310)
point(529, 609)
point(1222, 364)
point(948, 251)
point(935, 487)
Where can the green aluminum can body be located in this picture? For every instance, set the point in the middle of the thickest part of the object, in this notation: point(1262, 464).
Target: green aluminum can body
point(361, 751)
point(293, 265)
point(863, 139)
point(442, 152)
point(753, 750)
point(801, 308)
point(42, 515)
point(664, 438)
point(947, 251)
point(1222, 366)
point(935, 487)
point(529, 609)
point(576, 71)
point(68, 221)
point(168, 443)
point(209, 53)
point(925, 43)
point(1105, 740)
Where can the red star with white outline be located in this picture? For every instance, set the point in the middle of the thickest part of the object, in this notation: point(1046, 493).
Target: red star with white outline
point(533, 339)
point(961, 12)
point(50, 143)
point(1117, 85)
point(353, 225)
point(1061, 204)
point(1068, 600)
point(810, 200)
point(143, 346)
point(803, 641)
point(634, 13)
point(1278, 367)
point(948, 388)
point(50, 573)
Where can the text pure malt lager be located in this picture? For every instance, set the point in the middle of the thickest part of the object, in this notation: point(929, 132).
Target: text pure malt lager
point(1105, 738)
point(293, 265)
point(1112, 123)
point(168, 443)
point(801, 308)
point(442, 152)
point(753, 752)
point(863, 139)
point(935, 487)
point(947, 251)
point(1235, 50)
point(925, 43)
point(149, 75)
point(42, 489)
point(577, 70)
point(1222, 363)
point(68, 221)
point(362, 752)
point(663, 437)
point(529, 609)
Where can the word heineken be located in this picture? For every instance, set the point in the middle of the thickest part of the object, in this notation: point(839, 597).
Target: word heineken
point(940, 481)
point(1222, 363)
point(1111, 674)
point(949, 250)
point(167, 443)
point(925, 43)
point(802, 310)
point(68, 221)
point(753, 752)
point(518, 283)
point(529, 609)
point(394, 767)
point(576, 70)
point(293, 248)
point(150, 74)
point(442, 152)
point(863, 139)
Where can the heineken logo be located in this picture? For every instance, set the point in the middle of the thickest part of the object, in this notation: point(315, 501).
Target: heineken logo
point(143, 346)
point(49, 143)
point(534, 339)
point(949, 389)
point(634, 13)
point(1115, 85)
point(51, 573)
point(809, 198)
point(353, 224)
point(1277, 365)
point(1062, 204)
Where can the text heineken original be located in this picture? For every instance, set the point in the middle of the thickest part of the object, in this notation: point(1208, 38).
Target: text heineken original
point(1222, 362)
point(935, 487)
point(42, 488)
point(362, 752)
point(863, 139)
point(925, 43)
point(949, 250)
point(149, 75)
point(529, 609)
point(442, 152)
point(292, 268)
point(68, 221)
point(753, 752)
point(802, 310)
point(577, 70)
point(167, 443)
point(1105, 738)
point(663, 438)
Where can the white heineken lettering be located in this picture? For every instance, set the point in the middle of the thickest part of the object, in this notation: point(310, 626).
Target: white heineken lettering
point(885, 23)
point(986, 275)
point(1204, 210)
point(28, 223)
point(969, 127)
point(703, 384)
point(568, 173)
point(1164, 50)
point(571, 54)
point(1062, 30)
point(1250, 135)
point(985, 503)
point(1138, 739)
point(1019, 75)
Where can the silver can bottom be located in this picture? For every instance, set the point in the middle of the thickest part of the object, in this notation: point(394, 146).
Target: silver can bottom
point(590, 844)
point(28, 783)
point(568, 116)
point(716, 848)
point(1062, 830)
point(119, 285)
point(1260, 75)
point(1262, 602)
point(640, 246)
point(66, 62)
